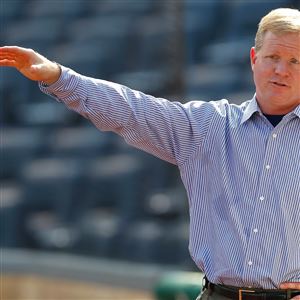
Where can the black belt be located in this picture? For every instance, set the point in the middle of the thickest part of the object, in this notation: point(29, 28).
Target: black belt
point(235, 293)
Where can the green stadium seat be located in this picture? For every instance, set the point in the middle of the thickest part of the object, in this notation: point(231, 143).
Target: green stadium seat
point(179, 285)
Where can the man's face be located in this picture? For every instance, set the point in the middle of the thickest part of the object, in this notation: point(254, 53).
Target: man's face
point(276, 71)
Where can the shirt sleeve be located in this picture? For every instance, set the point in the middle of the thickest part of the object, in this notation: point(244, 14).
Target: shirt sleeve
point(169, 130)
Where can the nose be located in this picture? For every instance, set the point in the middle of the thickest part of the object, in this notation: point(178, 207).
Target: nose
point(282, 68)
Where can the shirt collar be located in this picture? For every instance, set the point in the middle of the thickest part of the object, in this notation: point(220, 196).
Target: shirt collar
point(297, 111)
point(253, 107)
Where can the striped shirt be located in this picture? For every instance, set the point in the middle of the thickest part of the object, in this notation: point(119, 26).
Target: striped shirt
point(241, 174)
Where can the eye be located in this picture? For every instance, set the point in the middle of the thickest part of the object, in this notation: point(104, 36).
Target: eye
point(273, 57)
point(295, 61)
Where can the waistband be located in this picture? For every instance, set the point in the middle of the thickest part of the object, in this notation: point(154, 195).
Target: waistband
point(236, 293)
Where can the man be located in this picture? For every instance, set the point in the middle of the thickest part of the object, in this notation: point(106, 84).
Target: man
point(240, 164)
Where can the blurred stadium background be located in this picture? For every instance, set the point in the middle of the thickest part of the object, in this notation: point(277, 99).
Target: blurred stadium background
point(71, 194)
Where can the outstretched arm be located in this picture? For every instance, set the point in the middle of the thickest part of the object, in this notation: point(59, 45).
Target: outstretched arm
point(30, 63)
point(169, 130)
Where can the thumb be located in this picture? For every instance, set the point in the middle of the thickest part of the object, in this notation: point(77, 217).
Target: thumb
point(46, 71)
point(290, 285)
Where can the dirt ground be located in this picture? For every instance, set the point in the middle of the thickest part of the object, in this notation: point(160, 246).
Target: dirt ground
point(33, 287)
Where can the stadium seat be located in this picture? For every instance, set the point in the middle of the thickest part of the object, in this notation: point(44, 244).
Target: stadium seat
point(11, 215)
point(63, 9)
point(229, 53)
point(15, 91)
point(100, 230)
point(87, 58)
point(173, 248)
point(140, 241)
point(19, 146)
point(157, 174)
point(211, 81)
point(51, 184)
point(243, 23)
point(179, 285)
point(167, 205)
point(38, 33)
point(150, 48)
point(43, 112)
point(81, 141)
point(200, 21)
point(10, 11)
point(131, 8)
point(148, 81)
point(155, 241)
point(115, 182)
point(112, 39)
point(48, 232)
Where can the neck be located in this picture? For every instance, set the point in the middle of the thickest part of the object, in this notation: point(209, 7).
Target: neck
point(271, 109)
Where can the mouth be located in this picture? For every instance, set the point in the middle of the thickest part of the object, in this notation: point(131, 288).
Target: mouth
point(279, 84)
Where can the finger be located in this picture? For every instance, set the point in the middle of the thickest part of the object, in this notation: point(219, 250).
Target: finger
point(290, 285)
point(296, 298)
point(13, 50)
point(8, 63)
point(8, 55)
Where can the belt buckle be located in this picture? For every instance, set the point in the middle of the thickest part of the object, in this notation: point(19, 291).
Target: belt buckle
point(241, 291)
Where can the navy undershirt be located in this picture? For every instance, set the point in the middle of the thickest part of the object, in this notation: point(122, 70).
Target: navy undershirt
point(274, 119)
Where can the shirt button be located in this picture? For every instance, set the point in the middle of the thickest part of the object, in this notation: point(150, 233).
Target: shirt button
point(268, 167)
point(261, 198)
point(255, 230)
point(274, 135)
point(250, 263)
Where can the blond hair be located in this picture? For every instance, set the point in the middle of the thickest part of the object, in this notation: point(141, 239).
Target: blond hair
point(278, 21)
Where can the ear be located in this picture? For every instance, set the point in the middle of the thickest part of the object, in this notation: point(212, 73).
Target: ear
point(252, 57)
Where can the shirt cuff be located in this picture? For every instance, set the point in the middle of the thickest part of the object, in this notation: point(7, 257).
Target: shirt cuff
point(64, 86)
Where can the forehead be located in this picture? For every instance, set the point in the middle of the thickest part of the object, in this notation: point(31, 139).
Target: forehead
point(287, 42)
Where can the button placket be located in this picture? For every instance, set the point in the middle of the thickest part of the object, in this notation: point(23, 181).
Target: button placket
point(261, 202)
point(270, 149)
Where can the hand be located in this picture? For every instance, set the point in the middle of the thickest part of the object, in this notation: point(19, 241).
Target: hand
point(30, 63)
point(292, 286)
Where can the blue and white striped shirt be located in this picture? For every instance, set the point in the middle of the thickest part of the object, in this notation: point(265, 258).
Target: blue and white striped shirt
point(241, 174)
